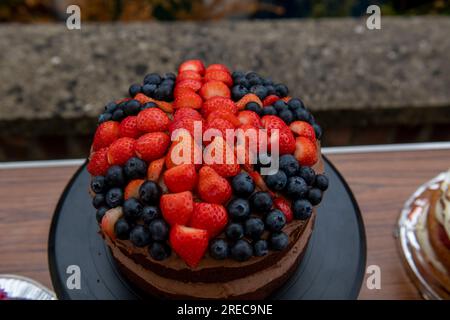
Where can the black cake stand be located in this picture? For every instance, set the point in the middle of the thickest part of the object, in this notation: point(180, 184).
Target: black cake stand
point(333, 266)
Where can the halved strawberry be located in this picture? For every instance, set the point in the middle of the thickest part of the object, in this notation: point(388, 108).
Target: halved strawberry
point(164, 106)
point(177, 208)
point(184, 143)
point(152, 145)
point(210, 217)
point(218, 103)
point(189, 243)
point(224, 114)
point(188, 75)
point(220, 156)
point(121, 150)
point(285, 207)
point(214, 88)
point(303, 129)
point(152, 120)
point(192, 84)
point(212, 187)
point(180, 178)
point(305, 151)
point(250, 117)
point(285, 140)
point(128, 127)
point(188, 124)
point(186, 113)
point(187, 98)
point(221, 125)
point(217, 66)
point(219, 75)
point(249, 97)
point(132, 189)
point(98, 162)
point(286, 99)
point(142, 98)
point(259, 181)
point(273, 122)
point(106, 133)
point(192, 65)
point(270, 100)
point(154, 169)
point(109, 221)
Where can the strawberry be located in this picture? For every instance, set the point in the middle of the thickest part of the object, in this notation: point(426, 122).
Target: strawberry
point(188, 75)
point(186, 113)
point(286, 141)
point(132, 189)
point(270, 100)
point(225, 115)
point(305, 151)
point(221, 125)
point(210, 217)
point(142, 98)
point(192, 84)
point(152, 145)
point(283, 204)
point(180, 178)
point(218, 103)
point(154, 169)
point(184, 143)
point(121, 150)
point(286, 99)
point(219, 75)
point(273, 122)
point(187, 98)
point(303, 129)
point(249, 97)
point(177, 208)
point(186, 123)
point(212, 187)
point(189, 243)
point(152, 120)
point(214, 88)
point(106, 133)
point(192, 65)
point(128, 128)
point(246, 157)
point(220, 156)
point(109, 221)
point(250, 117)
point(259, 181)
point(217, 66)
point(98, 162)
point(164, 106)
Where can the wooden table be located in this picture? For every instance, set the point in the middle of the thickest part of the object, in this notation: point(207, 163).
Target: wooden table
point(381, 182)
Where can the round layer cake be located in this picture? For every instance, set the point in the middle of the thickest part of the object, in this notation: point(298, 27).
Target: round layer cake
point(205, 182)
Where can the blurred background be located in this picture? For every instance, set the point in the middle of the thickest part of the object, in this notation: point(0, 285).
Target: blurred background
point(364, 86)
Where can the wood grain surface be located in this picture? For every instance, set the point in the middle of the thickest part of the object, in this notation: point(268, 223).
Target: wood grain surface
point(381, 182)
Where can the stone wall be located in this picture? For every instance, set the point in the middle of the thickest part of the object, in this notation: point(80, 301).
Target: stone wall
point(380, 86)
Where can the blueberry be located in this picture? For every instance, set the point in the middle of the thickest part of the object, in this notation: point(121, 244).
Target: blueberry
point(148, 89)
point(314, 196)
point(163, 93)
point(277, 181)
point(242, 81)
point(149, 213)
point(110, 107)
point(237, 74)
point(132, 108)
point(98, 200)
point(241, 251)
point(152, 78)
point(167, 82)
point(115, 176)
point(159, 230)
point(281, 90)
point(170, 76)
point(287, 116)
point(261, 202)
point(134, 89)
point(104, 117)
point(238, 209)
point(148, 105)
point(302, 209)
point(280, 105)
point(114, 197)
point(243, 185)
point(135, 168)
point(268, 110)
point(296, 187)
point(132, 209)
point(260, 248)
point(289, 165)
point(295, 103)
point(307, 173)
point(140, 236)
point(275, 220)
point(122, 229)
point(252, 74)
point(279, 241)
point(253, 106)
point(302, 115)
point(254, 228)
point(321, 182)
point(100, 213)
point(317, 130)
point(98, 184)
point(118, 115)
point(219, 249)
point(270, 90)
point(254, 81)
point(234, 231)
point(149, 192)
point(267, 82)
point(159, 251)
point(238, 91)
point(259, 90)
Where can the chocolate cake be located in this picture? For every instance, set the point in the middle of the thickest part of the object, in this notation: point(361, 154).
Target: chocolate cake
point(205, 183)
